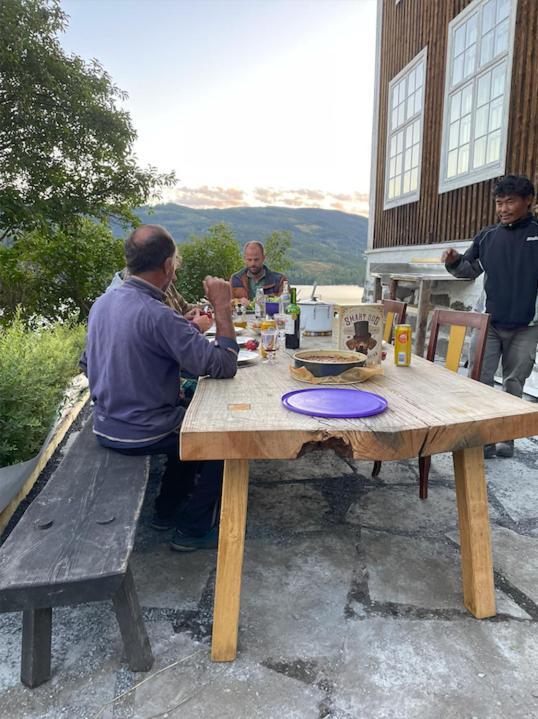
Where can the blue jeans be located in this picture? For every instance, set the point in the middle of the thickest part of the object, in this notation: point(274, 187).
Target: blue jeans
point(197, 499)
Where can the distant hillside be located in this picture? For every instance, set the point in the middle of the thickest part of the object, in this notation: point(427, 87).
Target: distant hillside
point(327, 245)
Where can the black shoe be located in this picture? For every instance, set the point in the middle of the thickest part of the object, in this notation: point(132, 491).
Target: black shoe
point(185, 543)
point(489, 451)
point(505, 449)
point(162, 524)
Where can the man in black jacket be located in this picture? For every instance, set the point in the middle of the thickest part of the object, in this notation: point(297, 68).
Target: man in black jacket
point(507, 253)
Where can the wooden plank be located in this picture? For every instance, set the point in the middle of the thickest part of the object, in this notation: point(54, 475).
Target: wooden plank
point(233, 518)
point(422, 316)
point(59, 434)
point(456, 340)
point(430, 410)
point(475, 535)
point(133, 631)
point(36, 646)
point(78, 534)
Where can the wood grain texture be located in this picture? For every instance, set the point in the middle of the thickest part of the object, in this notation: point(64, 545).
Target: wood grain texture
point(93, 502)
point(233, 517)
point(430, 410)
point(475, 534)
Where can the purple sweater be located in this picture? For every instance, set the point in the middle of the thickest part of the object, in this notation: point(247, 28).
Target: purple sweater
point(135, 350)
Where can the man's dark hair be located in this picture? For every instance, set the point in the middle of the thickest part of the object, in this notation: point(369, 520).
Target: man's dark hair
point(513, 185)
point(147, 248)
point(257, 244)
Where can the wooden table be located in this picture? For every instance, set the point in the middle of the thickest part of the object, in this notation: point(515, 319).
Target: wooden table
point(431, 410)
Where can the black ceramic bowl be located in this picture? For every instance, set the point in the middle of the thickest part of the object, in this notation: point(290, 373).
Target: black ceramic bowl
point(328, 363)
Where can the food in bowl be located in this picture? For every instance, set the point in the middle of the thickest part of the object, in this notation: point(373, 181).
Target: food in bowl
point(328, 363)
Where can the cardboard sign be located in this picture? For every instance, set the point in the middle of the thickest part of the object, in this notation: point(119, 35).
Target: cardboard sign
point(360, 328)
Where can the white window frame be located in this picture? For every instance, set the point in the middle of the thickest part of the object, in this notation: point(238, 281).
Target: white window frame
point(494, 169)
point(414, 195)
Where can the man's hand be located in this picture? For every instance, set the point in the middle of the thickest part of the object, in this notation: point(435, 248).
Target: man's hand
point(450, 256)
point(219, 294)
point(203, 322)
point(244, 301)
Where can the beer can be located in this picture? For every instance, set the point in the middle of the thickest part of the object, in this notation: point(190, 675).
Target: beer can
point(402, 345)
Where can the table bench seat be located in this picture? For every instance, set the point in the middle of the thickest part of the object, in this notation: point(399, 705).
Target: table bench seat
point(73, 545)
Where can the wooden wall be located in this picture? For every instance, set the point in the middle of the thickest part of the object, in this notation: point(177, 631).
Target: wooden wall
point(457, 215)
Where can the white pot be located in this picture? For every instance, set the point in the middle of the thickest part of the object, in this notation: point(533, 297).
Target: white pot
point(316, 316)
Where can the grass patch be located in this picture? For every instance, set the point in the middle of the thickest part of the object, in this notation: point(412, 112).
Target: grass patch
point(35, 368)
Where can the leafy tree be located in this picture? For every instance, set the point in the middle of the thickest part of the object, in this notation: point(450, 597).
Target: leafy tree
point(215, 253)
point(277, 246)
point(55, 273)
point(65, 148)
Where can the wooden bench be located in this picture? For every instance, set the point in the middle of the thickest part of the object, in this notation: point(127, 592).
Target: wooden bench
point(73, 545)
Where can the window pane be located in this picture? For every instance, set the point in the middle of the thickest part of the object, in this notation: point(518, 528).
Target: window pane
point(455, 106)
point(463, 159)
point(481, 121)
point(406, 182)
point(419, 74)
point(470, 57)
point(501, 38)
point(457, 70)
point(495, 114)
point(409, 136)
point(394, 121)
point(453, 135)
point(488, 16)
point(399, 141)
point(414, 179)
point(466, 99)
point(471, 30)
point(392, 167)
point(459, 40)
point(486, 49)
point(494, 147)
point(408, 156)
point(391, 189)
point(418, 101)
point(401, 91)
point(465, 129)
point(416, 132)
point(503, 9)
point(401, 113)
point(410, 107)
point(452, 163)
point(414, 158)
point(394, 98)
point(483, 89)
point(498, 74)
point(480, 152)
point(411, 82)
point(393, 146)
point(398, 164)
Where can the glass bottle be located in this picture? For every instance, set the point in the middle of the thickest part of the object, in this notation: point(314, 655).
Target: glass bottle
point(259, 303)
point(293, 312)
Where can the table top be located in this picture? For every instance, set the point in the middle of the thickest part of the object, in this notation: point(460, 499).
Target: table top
point(430, 410)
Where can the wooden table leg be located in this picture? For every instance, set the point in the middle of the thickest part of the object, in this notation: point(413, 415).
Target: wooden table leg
point(233, 517)
point(475, 534)
point(423, 309)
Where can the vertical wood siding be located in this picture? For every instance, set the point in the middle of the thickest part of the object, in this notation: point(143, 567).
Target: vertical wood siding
point(408, 27)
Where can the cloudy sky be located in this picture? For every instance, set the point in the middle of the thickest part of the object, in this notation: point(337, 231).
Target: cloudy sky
point(251, 102)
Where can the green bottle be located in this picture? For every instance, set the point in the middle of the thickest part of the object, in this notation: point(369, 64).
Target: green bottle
point(293, 312)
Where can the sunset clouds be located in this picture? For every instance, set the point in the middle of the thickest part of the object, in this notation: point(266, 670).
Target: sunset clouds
point(205, 196)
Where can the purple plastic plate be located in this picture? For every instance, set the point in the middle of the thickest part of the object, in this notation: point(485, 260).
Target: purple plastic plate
point(334, 402)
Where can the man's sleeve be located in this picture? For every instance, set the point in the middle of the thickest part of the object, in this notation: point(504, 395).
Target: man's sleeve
point(238, 291)
point(467, 267)
point(183, 341)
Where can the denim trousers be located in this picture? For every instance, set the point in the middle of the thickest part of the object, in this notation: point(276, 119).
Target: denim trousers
point(190, 491)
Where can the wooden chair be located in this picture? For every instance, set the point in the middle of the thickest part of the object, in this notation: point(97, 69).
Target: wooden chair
point(395, 312)
point(458, 322)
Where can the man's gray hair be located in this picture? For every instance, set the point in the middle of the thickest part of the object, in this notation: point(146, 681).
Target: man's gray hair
point(147, 248)
point(256, 244)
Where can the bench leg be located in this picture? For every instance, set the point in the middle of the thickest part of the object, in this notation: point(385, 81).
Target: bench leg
point(36, 646)
point(133, 631)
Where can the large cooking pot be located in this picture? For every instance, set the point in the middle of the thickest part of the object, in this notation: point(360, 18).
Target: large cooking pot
point(316, 316)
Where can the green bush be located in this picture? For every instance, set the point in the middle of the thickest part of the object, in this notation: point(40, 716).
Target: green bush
point(35, 368)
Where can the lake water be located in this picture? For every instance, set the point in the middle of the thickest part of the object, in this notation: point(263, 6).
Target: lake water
point(339, 294)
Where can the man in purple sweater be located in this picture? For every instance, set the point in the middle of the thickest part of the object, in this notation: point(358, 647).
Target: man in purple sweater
point(135, 351)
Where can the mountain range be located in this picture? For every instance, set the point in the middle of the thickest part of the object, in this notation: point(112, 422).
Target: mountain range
point(327, 245)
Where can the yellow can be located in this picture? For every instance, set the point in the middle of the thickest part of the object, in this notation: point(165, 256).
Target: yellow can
point(402, 345)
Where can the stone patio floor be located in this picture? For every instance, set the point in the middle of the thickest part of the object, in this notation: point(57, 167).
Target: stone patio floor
point(351, 608)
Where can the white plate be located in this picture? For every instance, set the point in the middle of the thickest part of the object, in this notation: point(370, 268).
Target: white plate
point(246, 356)
point(241, 341)
point(213, 331)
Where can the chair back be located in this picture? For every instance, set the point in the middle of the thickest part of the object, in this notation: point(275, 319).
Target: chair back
point(395, 312)
point(459, 322)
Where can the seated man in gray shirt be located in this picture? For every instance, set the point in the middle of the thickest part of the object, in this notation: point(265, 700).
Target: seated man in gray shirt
point(135, 350)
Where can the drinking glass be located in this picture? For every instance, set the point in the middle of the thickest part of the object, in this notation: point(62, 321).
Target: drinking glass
point(269, 343)
point(280, 321)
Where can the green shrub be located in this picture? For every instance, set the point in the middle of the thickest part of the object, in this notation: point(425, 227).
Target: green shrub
point(35, 368)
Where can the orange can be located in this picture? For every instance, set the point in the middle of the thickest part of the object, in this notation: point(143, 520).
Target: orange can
point(402, 345)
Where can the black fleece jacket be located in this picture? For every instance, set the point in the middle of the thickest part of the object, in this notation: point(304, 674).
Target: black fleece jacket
point(508, 255)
